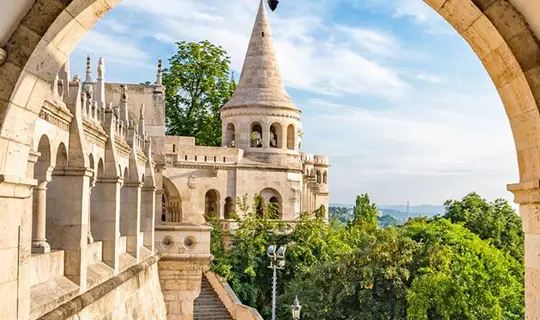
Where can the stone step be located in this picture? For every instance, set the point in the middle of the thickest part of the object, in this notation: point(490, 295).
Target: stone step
point(208, 306)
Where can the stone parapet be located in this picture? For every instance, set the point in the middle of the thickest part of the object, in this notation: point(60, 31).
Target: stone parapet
point(227, 296)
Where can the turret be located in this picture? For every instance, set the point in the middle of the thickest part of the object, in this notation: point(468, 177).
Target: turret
point(261, 117)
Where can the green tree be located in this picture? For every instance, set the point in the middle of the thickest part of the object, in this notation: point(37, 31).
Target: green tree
point(495, 222)
point(456, 275)
point(425, 269)
point(365, 212)
point(198, 84)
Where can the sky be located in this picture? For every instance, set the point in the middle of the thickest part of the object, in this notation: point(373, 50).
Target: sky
point(388, 90)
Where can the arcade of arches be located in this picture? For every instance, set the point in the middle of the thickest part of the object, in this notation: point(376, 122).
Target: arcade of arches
point(38, 161)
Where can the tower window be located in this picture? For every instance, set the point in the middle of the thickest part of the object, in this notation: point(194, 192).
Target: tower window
point(263, 34)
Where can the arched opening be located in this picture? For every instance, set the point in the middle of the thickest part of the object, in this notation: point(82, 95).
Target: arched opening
point(325, 177)
point(211, 203)
point(171, 203)
point(228, 209)
point(486, 34)
point(42, 173)
point(318, 176)
point(61, 156)
point(276, 135)
point(290, 137)
point(274, 202)
point(230, 136)
point(58, 190)
point(256, 135)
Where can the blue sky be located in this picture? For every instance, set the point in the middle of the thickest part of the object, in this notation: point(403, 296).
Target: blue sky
point(388, 89)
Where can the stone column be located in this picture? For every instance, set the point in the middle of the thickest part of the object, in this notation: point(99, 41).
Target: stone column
point(130, 217)
point(15, 245)
point(266, 136)
point(157, 215)
point(39, 221)
point(148, 211)
point(106, 218)
point(283, 138)
point(92, 185)
point(67, 219)
point(527, 195)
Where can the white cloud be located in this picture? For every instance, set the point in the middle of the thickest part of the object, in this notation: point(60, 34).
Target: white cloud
point(113, 48)
point(314, 57)
point(385, 136)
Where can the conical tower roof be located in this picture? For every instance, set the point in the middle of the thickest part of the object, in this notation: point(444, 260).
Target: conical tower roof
point(260, 82)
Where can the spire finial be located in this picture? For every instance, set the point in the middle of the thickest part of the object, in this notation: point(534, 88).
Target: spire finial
point(101, 68)
point(257, 88)
point(124, 93)
point(141, 116)
point(159, 78)
point(88, 69)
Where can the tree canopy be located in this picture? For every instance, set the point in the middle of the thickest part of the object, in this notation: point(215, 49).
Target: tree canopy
point(198, 83)
point(425, 269)
point(495, 222)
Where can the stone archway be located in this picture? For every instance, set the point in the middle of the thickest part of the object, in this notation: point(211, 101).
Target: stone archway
point(497, 32)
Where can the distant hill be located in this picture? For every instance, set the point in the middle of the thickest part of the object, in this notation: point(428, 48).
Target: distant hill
point(427, 209)
point(400, 211)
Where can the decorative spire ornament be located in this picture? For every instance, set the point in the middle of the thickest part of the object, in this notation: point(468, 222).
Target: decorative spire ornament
point(159, 77)
point(100, 69)
point(88, 69)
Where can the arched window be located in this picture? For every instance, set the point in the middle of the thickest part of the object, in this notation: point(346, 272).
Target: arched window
point(171, 203)
point(211, 203)
point(290, 137)
point(230, 136)
point(325, 177)
point(276, 135)
point(256, 136)
point(274, 200)
point(39, 208)
point(275, 206)
point(61, 156)
point(318, 175)
point(229, 208)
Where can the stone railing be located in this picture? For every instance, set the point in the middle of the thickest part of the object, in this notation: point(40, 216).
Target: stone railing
point(227, 296)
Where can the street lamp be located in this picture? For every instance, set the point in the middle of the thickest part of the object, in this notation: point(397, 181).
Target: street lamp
point(295, 309)
point(277, 261)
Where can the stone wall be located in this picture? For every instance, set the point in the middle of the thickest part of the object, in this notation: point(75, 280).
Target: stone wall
point(133, 294)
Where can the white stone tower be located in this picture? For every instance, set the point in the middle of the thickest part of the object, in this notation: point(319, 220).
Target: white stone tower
point(261, 117)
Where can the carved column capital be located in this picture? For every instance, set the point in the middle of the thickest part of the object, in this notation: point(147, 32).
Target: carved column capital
point(16, 187)
point(527, 192)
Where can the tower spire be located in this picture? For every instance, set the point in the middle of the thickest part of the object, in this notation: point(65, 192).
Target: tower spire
point(260, 82)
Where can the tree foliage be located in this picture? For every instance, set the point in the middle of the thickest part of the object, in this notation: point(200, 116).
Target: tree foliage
point(496, 222)
point(197, 84)
point(426, 269)
point(365, 213)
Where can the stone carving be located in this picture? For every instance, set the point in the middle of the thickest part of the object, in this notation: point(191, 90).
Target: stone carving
point(191, 182)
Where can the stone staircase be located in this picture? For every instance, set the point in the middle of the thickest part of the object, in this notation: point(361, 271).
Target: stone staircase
point(208, 306)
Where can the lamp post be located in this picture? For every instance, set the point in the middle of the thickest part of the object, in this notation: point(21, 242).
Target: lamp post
point(277, 261)
point(295, 309)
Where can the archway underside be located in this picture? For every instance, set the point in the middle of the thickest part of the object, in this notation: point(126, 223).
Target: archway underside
point(496, 31)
